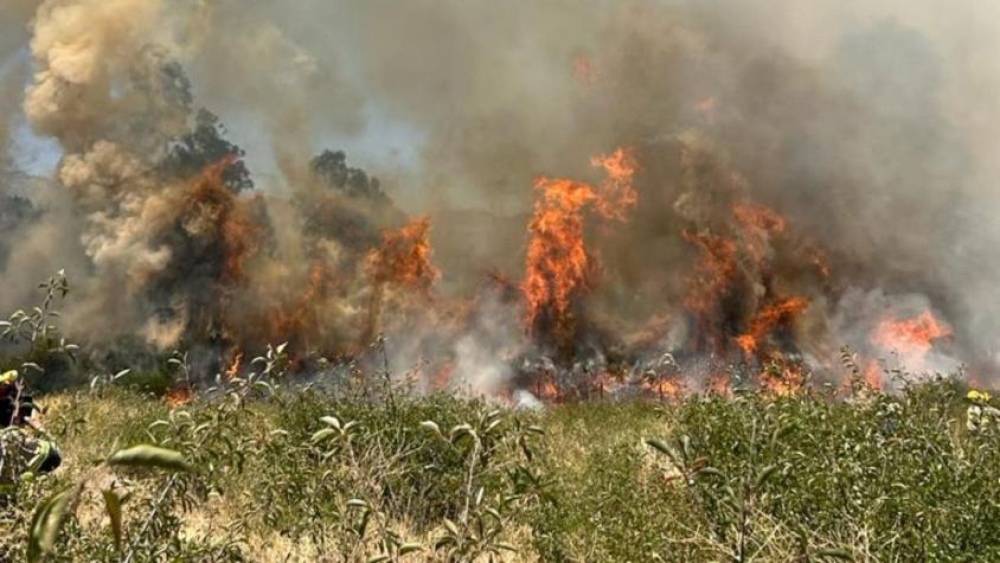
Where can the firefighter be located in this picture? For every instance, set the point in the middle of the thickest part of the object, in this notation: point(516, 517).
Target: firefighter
point(980, 414)
point(24, 445)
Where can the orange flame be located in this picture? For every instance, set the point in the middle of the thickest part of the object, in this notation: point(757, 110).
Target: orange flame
point(912, 338)
point(546, 390)
point(442, 378)
point(783, 379)
point(720, 385)
point(405, 257)
point(873, 375)
point(238, 231)
point(179, 397)
point(709, 282)
point(559, 267)
point(296, 321)
point(767, 319)
point(919, 332)
point(669, 389)
point(404, 261)
point(758, 224)
point(234, 368)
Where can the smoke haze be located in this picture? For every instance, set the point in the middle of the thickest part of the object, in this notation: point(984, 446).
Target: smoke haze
point(869, 129)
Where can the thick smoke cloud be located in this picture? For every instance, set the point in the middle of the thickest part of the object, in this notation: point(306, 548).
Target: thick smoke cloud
point(870, 128)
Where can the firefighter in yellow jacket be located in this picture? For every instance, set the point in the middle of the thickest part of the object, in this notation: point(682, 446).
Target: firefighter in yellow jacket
point(24, 446)
point(980, 415)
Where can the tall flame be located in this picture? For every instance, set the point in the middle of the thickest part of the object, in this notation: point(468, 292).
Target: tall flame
point(237, 230)
point(559, 267)
point(403, 260)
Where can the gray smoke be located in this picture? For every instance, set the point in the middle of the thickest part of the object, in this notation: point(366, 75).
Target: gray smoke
point(871, 127)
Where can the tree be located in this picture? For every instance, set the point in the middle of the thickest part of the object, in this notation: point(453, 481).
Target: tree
point(331, 167)
point(205, 145)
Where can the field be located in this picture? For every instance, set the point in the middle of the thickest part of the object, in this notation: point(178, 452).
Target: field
point(279, 471)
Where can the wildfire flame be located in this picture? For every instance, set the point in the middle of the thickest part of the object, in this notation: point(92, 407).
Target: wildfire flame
point(711, 278)
point(238, 230)
point(767, 319)
point(559, 267)
point(758, 225)
point(295, 319)
point(403, 260)
point(911, 338)
point(234, 368)
point(783, 378)
point(179, 397)
point(405, 257)
point(919, 332)
point(669, 389)
point(873, 375)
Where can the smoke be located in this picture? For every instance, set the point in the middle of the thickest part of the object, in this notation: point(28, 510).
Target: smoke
point(868, 129)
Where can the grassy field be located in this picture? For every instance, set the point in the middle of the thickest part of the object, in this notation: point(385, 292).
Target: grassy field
point(374, 475)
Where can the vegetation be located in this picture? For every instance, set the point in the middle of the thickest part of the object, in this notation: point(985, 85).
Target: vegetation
point(261, 468)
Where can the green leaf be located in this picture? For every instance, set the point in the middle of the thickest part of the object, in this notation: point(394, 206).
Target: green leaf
point(663, 448)
point(712, 472)
point(46, 524)
point(431, 425)
point(149, 456)
point(323, 434)
point(764, 475)
point(780, 433)
point(363, 525)
point(379, 559)
point(445, 542)
point(492, 426)
point(357, 503)
point(462, 430)
point(38, 520)
point(407, 548)
point(331, 421)
point(113, 504)
point(452, 528)
point(493, 512)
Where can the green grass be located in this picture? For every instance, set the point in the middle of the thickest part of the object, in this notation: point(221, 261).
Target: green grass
point(752, 478)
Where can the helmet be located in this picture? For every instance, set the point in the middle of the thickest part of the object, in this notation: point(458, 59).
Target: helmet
point(979, 397)
point(8, 378)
